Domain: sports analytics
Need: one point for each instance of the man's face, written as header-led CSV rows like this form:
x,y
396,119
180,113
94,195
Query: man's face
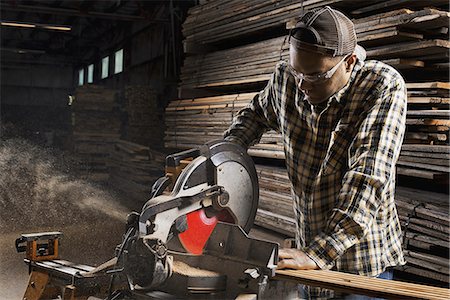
x,y
312,63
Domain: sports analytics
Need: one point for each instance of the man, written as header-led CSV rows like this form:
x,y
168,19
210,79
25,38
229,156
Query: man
x,y
342,121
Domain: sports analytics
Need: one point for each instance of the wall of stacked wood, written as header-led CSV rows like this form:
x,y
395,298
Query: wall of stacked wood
x,y
144,115
117,144
231,48
95,128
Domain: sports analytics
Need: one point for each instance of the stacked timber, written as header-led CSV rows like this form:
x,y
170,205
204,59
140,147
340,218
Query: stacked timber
x,y
144,115
193,122
424,218
425,152
95,128
275,209
408,40
218,21
241,65
134,169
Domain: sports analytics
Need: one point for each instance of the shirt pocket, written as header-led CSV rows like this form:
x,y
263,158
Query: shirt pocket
x,y
336,159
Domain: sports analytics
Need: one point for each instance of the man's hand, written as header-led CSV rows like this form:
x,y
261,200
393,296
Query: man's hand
x,y
295,259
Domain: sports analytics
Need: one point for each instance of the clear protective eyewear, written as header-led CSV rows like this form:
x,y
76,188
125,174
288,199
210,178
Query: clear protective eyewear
x,y
316,78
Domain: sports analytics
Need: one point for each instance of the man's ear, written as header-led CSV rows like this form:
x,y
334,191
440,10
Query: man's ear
x,y
350,62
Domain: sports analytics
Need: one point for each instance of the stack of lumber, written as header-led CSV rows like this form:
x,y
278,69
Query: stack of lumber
x,y
408,40
424,218
144,115
134,169
275,209
192,122
425,152
95,128
241,65
218,21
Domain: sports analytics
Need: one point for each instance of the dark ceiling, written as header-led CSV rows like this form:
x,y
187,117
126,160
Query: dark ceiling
x,y
92,23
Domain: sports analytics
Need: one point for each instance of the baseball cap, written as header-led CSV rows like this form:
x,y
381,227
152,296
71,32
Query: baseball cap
x,y
324,30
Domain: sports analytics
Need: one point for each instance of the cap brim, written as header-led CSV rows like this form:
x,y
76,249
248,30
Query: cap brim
x,y
299,45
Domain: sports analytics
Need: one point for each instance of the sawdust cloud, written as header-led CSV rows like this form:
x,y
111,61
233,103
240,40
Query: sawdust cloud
x,y
38,188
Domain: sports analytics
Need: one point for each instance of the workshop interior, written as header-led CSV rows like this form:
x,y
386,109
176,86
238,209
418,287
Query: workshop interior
x,y
116,181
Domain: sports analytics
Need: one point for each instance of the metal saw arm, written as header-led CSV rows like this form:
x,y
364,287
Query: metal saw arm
x,y
222,178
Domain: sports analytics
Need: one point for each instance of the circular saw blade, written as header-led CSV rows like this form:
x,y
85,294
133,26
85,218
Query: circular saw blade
x,y
199,228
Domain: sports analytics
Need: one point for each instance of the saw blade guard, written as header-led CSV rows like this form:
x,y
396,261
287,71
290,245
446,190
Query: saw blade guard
x,y
236,173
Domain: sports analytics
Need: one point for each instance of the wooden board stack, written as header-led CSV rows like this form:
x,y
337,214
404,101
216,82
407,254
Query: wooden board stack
x,y
241,65
228,62
145,116
134,169
275,210
424,218
192,122
216,21
95,128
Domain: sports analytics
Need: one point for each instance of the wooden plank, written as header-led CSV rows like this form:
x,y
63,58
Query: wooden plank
x,y
401,63
428,100
427,148
423,160
275,222
424,273
431,113
390,4
428,85
420,50
390,35
363,285
425,174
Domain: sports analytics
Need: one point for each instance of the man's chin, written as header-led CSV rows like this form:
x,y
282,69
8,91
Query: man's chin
x,y
314,100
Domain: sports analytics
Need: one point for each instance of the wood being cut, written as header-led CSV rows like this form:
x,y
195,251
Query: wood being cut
x,y
357,284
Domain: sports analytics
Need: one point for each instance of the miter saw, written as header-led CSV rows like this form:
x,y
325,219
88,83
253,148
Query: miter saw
x,y
191,237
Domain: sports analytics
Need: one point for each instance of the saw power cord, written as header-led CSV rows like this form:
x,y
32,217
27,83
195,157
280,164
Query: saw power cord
x,y
111,296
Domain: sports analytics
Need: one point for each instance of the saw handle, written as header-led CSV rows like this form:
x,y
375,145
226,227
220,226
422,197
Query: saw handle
x,y
175,164
174,160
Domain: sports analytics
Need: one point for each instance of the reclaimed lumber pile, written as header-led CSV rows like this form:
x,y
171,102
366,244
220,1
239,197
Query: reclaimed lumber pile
x,y
193,122
408,40
95,128
241,65
144,116
426,151
425,223
134,168
216,21
275,209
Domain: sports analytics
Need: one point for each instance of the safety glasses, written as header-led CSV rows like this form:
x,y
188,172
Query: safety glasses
x,y
318,77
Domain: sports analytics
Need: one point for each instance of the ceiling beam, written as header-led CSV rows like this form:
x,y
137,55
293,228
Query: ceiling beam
x,y
69,12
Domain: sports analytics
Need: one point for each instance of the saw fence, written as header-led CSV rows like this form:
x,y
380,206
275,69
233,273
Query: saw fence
x,y
231,49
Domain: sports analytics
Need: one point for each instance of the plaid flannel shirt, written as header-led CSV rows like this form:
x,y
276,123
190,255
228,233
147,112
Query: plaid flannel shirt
x,y
341,163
